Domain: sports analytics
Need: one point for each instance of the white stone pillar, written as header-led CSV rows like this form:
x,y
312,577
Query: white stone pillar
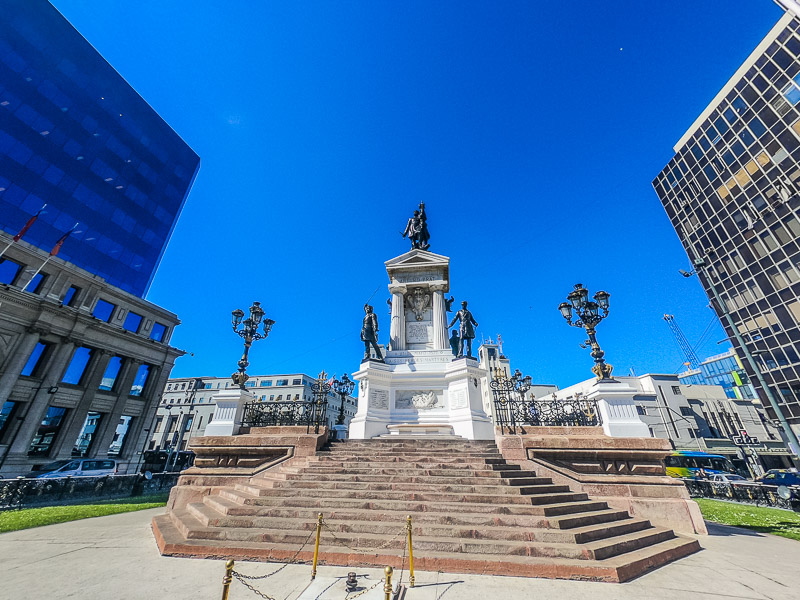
x,y
229,411
397,332
440,340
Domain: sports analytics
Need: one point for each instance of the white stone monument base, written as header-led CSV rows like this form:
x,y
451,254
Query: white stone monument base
x,y
228,411
423,388
617,409
417,429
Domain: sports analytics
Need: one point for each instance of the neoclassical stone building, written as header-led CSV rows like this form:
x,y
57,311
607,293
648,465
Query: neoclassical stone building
x,y
82,363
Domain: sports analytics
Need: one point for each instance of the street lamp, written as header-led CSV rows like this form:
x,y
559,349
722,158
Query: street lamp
x,y
521,384
344,387
589,314
249,332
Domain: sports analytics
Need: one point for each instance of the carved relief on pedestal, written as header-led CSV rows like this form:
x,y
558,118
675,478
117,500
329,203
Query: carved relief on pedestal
x,y
417,333
418,399
418,301
379,399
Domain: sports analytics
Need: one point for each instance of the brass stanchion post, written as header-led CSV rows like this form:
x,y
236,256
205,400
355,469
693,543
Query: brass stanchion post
x,y
387,587
226,581
410,553
316,546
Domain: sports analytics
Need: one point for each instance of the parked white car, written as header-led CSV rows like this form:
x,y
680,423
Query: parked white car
x,y
79,467
727,478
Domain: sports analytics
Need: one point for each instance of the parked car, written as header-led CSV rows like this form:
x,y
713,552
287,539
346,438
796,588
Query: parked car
x,y
727,478
79,467
155,461
780,477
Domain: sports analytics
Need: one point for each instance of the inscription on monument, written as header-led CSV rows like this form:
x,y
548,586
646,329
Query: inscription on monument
x,y
458,399
379,399
418,276
417,333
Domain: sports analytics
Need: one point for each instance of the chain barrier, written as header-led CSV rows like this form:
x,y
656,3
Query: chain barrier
x,y
231,574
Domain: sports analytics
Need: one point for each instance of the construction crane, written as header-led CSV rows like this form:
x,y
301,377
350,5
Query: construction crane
x,y
688,352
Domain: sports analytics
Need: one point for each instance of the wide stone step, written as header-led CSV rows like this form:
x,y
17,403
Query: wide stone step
x,y
483,464
535,494
411,470
514,543
471,488
416,506
393,456
464,517
210,517
620,568
292,478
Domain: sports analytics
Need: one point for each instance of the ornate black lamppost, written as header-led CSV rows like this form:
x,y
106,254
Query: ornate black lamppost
x,y
344,387
589,315
521,384
249,332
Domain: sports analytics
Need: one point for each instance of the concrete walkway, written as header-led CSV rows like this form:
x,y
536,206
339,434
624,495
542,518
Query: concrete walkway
x,y
115,557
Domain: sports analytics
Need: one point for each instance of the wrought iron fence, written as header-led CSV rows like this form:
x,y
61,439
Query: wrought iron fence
x,y
749,493
298,413
513,410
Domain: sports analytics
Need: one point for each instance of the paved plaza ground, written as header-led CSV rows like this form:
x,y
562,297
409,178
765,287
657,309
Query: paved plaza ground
x,y
115,557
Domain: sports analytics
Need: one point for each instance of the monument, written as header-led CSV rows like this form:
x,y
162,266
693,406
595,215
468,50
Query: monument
x,y
420,388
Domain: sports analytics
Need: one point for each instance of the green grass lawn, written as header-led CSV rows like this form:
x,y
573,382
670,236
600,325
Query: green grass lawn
x,y
765,520
13,520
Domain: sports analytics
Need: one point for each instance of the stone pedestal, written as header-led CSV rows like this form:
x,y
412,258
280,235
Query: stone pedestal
x,y
420,389
617,409
228,411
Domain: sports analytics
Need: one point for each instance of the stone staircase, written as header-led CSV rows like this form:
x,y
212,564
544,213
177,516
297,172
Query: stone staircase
x,y
472,513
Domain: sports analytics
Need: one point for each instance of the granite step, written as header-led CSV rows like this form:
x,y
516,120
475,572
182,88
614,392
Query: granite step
x,y
546,494
210,517
464,517
468,488
467,479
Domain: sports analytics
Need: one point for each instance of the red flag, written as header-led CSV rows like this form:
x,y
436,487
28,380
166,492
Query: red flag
x,y
27,226
60,241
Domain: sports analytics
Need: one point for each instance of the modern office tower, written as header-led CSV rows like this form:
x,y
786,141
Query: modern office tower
x,y
83,357
725,370
75,136
732,193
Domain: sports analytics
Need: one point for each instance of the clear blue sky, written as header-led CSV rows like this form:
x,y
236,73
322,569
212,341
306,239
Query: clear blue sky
x,y
531,130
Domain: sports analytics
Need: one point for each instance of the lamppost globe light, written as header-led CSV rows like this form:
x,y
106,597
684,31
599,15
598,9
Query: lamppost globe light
x,y
236,317
268,323
249,333
591,309
601,298
575,298
566,310
256,313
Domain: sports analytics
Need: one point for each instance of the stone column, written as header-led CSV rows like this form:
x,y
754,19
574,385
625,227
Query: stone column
x,y
440,340
142,427
54,370
17,357
397,332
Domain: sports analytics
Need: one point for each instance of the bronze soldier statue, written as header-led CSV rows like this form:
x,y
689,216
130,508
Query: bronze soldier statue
x,y
369,333
417,229
466,332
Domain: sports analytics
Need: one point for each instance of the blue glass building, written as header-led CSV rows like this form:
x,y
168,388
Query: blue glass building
x,y
76,136
725,370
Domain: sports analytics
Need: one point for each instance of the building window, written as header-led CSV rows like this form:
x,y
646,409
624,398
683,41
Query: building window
x,y
297,382
35,284
70,296
84,442
280,382
5,415
77,366
266,383
692,434
47,432
110,376
272,396
158,332
159,424
115,449
641,410
9,271
676,389
35,362
687,411
140,380
103,310
250,384
132,322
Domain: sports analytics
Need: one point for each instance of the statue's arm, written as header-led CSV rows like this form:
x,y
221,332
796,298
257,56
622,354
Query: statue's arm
x,y
453,321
